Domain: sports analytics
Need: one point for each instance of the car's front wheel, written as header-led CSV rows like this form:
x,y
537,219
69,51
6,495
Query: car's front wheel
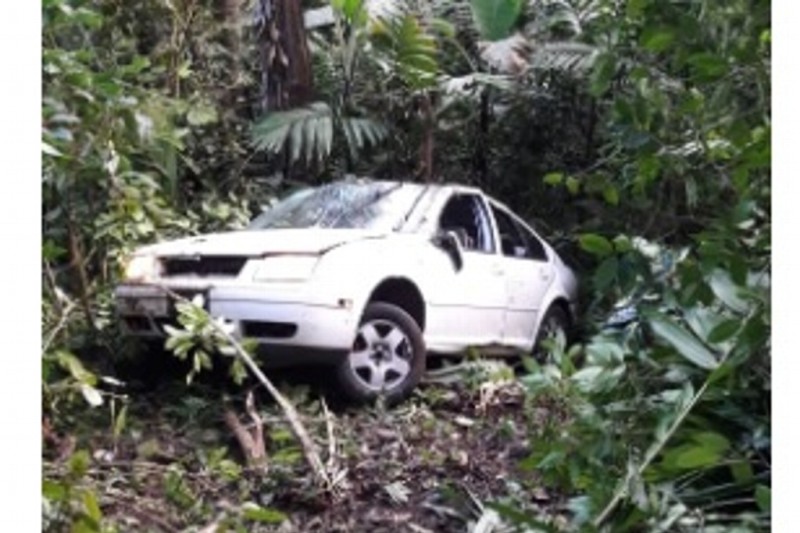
x,y
387,358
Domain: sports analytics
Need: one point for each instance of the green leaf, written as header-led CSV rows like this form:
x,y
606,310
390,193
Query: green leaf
x,y
53,490
573,185
495,19
684,342
622,244
764,498
724,331
696,457
657,39
726,290
554,178
604,69
611,194
91,506
595,244
707,66
712,440
606,273
79,463
742,471
252,511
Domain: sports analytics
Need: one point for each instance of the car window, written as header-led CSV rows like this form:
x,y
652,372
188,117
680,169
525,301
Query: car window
x,y
515,239
467,217
535,248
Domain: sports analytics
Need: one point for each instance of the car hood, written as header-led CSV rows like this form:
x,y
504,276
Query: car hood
x,y
255,243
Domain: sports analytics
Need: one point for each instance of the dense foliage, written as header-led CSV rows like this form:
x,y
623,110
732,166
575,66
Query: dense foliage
x,y
635,134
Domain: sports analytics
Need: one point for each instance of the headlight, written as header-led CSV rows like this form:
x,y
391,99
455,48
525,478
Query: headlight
x,y
142,268
286,268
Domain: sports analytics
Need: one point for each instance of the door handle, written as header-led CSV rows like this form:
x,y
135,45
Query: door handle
x,y
497,270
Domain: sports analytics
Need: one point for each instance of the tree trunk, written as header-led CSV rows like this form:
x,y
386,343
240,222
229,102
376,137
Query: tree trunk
x,y
285,60
426,147
230,10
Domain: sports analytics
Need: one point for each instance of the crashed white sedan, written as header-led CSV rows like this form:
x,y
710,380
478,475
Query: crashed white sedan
x,y
369,276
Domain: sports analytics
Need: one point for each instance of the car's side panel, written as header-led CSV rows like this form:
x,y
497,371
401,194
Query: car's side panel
x,y
463,307
527,283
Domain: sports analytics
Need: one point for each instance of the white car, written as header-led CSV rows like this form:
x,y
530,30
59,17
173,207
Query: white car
x,y
370,276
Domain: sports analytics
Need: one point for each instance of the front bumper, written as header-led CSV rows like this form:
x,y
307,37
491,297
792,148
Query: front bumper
x,y
272,316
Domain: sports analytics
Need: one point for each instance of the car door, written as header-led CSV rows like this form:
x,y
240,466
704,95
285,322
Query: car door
x,y
528,273
467,305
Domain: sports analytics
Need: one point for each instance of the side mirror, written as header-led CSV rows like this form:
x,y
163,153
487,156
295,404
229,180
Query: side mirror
x,y
448,241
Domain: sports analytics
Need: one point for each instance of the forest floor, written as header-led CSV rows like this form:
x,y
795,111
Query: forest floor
x,y
443,461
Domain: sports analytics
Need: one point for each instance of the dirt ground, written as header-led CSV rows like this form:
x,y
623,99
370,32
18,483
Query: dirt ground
x,y
438,462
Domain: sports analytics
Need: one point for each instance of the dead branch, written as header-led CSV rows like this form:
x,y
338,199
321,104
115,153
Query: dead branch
x,y
251,440
310,450
309,447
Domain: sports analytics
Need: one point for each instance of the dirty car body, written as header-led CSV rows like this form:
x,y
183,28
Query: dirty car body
x,y
370,276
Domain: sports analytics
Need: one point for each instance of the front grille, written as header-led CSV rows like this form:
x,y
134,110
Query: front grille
x,y
218,265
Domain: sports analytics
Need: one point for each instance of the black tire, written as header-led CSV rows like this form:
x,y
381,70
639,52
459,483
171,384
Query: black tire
x,y
555,319
353,379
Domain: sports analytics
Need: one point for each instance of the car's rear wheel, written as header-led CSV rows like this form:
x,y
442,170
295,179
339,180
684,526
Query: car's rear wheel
x,y
555,322
387,358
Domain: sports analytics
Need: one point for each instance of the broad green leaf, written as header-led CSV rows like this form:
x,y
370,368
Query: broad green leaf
x,y
603,72
727,291
657,39
622,244
554,178
702,320
53,490
606,273
707,66
711,440
573,185
742,471
91,506
764,498
495,19
724,331
595,244
611,194
695,457
684,342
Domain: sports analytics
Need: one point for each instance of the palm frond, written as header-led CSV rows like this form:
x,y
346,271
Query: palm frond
x,y
306,131
574,58
408,47
361,133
